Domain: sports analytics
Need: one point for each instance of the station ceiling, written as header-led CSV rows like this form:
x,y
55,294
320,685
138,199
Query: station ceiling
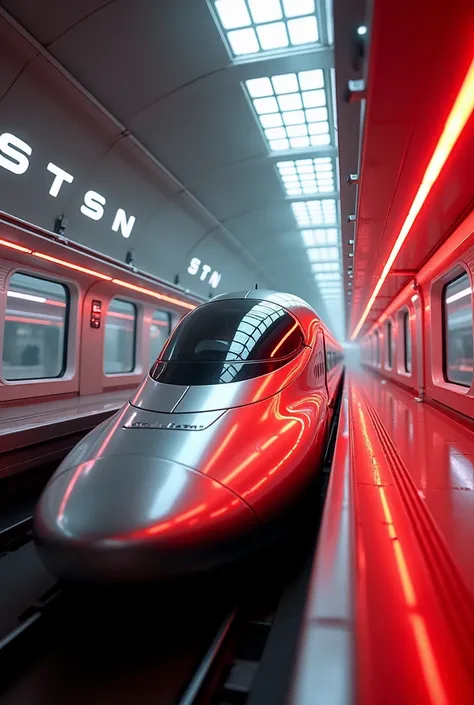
x,y
237,98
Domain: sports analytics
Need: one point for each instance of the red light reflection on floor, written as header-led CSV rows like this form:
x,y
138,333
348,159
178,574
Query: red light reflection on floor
x,y
421,637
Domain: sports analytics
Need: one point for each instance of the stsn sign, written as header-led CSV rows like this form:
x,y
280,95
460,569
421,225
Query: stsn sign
x,y
195,266
14,155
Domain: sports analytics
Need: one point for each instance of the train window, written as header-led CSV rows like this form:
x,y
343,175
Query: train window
x,y
160,328
120,335
406,340
458,349
377,347
34,341
388,329
229,341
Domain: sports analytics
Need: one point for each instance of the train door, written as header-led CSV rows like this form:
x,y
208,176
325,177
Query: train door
x,y
418,343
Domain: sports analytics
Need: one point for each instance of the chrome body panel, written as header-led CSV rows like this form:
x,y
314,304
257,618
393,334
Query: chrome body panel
x,y
139,419
134,517
154,396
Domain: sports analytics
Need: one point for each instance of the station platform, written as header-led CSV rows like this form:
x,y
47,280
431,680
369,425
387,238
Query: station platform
x,y
390,613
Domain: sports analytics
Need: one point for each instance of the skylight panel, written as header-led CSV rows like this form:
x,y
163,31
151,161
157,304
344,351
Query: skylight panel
x,y
308,213
233,13
295,101
323,254
295,8
314,238
265,11
327,277
325,267
306,176
329,287
260,26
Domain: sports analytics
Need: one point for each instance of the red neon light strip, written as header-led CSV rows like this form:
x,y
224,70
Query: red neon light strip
x,y
13,246
105,277
285,337
70,265
149,292
458,117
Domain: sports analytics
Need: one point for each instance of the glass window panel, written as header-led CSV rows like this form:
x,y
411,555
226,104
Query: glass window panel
x,y
303,30
272,36
160,328
120,337
271,120
243,41
290,101
407,340
233,13
259,87
285,83
265,10
294,8
265,105
458,331
35,337
229,341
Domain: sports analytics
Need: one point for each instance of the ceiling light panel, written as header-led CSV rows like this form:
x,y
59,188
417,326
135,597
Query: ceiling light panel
x,y
325,267
326,276
292,111
322,236
303,177
323,254
260,26
308,213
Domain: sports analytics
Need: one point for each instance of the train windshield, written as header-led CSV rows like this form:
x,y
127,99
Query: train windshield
x,y
229,341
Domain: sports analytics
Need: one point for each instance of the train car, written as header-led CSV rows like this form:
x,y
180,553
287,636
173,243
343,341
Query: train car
x,y
221,438
423,340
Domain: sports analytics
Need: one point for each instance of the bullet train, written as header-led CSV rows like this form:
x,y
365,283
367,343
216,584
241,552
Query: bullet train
x,y
219,441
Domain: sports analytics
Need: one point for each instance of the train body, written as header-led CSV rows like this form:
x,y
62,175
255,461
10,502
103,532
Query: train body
x,y
220,439
424,338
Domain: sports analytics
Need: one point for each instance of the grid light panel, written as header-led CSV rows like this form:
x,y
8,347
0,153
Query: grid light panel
x,y
314,238
310,213
307,176
291,109
259,26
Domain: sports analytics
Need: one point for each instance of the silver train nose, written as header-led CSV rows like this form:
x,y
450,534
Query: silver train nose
x,y
134,518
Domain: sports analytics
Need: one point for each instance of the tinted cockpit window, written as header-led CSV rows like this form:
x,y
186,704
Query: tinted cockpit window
x,y
229,341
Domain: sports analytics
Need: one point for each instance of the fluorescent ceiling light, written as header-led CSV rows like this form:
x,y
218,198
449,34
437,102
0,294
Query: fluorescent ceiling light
x,y
314,238
325,267
233,13
259,26
292,111
306,176
26,297
455,297
323,254
325,276
309,213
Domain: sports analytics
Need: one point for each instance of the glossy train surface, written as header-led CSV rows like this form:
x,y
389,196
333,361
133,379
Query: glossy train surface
x,y
221,437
